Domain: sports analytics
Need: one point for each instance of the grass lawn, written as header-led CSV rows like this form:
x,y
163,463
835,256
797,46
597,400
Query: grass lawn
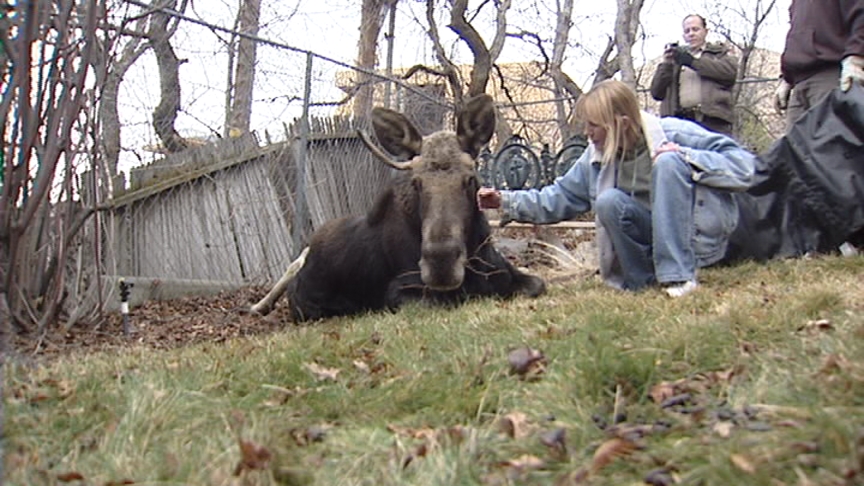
x,y
757,378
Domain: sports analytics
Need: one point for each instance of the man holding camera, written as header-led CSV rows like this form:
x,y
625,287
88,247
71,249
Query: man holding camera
x,y
695,81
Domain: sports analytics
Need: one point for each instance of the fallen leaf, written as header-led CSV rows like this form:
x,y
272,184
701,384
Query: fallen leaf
x,y
742,463
723,429
526,362
361,366
611,450
815,326
321,372
676,400
526,461
305,436
252,456
663,391
456,434
68,477
514,425
724,376
747,347
660,477
420,451
556,440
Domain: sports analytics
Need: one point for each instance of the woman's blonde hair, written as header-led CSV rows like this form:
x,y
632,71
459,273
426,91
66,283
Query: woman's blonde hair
x,y
612,105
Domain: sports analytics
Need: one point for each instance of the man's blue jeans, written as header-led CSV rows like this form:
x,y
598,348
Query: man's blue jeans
x,y
653,245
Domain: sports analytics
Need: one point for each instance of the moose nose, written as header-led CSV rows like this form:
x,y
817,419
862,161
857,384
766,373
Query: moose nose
x,y
442,265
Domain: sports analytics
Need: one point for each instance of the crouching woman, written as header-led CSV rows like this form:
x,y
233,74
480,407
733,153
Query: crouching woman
x,y
661,191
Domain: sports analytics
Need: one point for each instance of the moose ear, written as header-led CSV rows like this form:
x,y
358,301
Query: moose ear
x,y
396,134
476,123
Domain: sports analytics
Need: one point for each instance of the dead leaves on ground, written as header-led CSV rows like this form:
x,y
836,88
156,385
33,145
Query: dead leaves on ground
x,y
611,450
74,476
253,456
322,373
699,383
527,363
421,441
41,390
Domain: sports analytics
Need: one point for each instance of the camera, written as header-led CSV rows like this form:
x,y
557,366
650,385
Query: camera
x,y
671,45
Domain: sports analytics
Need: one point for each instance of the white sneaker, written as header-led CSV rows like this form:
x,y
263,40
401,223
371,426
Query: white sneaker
x,y
848,249
681,289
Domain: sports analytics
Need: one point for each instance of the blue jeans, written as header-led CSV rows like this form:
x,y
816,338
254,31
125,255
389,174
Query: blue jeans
x,y
653,245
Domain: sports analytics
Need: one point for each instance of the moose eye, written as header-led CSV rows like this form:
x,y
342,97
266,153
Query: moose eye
x,y
417,184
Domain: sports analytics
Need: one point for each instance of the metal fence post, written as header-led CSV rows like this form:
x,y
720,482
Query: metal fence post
x,y
301,151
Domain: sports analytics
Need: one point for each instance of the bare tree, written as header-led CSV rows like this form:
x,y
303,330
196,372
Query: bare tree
x,y
626,29
563,83
242,69
755,121
483,55
165,113
372,18
626,26
120,47
47,127
726,22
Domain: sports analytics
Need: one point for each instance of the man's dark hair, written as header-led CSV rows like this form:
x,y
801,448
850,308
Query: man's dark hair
x,y
701,19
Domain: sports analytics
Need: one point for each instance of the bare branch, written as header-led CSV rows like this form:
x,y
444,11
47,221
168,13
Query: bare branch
x,y
449,67
536,41
500,30
606,67
482,58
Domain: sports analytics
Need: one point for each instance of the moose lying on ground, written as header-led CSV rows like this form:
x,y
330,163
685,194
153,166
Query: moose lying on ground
x,y
424,238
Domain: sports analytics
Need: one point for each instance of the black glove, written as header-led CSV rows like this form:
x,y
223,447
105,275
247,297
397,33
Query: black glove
x,y
683,57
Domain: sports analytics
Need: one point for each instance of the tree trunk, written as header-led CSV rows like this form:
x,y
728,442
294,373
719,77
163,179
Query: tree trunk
x,y
165,113
244,78
482,58
562,83
626,26
109,74
449,70
372,18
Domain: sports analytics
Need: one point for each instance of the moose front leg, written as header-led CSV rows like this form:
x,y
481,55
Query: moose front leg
x,y
409,287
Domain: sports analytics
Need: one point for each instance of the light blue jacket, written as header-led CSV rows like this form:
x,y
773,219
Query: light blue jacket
x,y
719,165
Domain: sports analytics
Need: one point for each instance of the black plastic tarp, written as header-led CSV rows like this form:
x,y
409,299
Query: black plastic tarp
x,y
808,194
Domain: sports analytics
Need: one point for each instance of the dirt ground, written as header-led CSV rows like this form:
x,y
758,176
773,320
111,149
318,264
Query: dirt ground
x,y
191,320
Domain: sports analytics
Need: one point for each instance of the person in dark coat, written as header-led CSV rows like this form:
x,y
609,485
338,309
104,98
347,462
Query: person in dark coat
x,y
824,50
695,81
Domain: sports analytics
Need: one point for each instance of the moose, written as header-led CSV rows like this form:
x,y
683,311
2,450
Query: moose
x,y
424,237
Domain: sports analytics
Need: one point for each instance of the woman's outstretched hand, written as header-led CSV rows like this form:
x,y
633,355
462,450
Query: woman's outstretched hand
x,y
488,198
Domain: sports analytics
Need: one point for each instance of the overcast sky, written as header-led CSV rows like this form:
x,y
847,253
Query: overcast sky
x,y
330,28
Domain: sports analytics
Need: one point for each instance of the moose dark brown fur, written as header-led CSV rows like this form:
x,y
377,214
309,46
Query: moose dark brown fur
x,y
424,236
